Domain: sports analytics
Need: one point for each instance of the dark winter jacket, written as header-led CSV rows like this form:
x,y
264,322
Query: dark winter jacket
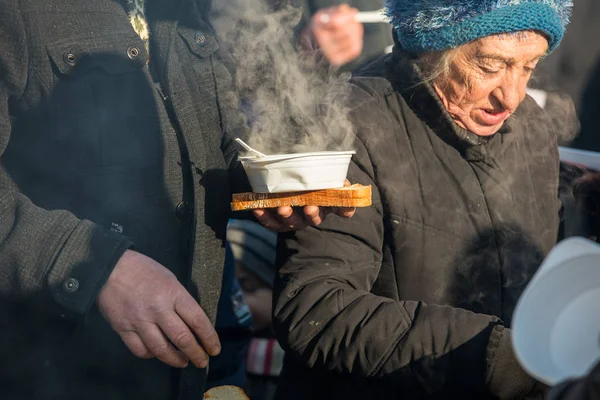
x,y
586,388
407,299
104,148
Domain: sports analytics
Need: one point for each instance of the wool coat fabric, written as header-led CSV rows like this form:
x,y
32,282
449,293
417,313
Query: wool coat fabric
x,y
411,298
104,147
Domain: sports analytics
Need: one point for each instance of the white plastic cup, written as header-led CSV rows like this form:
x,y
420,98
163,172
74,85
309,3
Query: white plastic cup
x,y
556,324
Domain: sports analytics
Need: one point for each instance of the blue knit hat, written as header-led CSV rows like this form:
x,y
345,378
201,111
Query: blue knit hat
x,y
428,25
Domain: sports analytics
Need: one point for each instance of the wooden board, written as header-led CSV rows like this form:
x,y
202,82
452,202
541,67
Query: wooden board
x,y
349,196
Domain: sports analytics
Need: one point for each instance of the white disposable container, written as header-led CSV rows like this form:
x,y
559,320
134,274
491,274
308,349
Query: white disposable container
x,y
589,159
297,172
556,324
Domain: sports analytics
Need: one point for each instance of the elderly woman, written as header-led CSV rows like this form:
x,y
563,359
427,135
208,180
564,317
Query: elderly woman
x,y
412,297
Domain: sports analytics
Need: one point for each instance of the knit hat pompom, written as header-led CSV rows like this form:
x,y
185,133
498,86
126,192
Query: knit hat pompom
x,y
254,246
428,25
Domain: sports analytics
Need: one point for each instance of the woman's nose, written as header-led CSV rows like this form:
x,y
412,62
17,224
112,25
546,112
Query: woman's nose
x,y
512,91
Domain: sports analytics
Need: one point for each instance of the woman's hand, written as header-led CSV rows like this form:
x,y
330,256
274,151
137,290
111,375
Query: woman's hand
x,y
284,219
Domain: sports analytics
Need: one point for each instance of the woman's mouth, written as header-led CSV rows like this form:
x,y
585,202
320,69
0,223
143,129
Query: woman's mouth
x,y
492,117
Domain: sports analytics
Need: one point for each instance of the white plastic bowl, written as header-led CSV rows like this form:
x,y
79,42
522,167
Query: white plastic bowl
x,y
556,324
297,172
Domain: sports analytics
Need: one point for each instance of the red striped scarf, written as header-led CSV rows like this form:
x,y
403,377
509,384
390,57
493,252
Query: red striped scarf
x,y
265,357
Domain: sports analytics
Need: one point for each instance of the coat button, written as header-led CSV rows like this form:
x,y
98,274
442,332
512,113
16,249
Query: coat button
x,y
200,39
71,285
181,210
70,59
133,53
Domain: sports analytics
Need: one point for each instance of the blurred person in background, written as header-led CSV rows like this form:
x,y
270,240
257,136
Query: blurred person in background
x,y
253,248
574,69
330,27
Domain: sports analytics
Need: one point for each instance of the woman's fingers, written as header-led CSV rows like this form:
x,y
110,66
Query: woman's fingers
x,y
290,218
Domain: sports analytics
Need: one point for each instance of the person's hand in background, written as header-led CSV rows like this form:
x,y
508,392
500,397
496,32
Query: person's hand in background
x,y
337,34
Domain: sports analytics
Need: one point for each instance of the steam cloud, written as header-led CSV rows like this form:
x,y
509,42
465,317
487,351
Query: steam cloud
x,y
293,105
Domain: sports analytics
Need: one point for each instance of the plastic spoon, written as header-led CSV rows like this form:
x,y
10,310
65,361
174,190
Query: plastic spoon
x,y
364,17
367,17
250,149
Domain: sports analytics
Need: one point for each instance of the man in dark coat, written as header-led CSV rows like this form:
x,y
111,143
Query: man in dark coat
x,y
116,119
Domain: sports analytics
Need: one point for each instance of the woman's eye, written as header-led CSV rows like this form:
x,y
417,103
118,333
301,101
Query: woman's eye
x,y
488,70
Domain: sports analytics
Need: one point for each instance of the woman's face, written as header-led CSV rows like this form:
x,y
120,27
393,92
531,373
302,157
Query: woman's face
x,y
487,79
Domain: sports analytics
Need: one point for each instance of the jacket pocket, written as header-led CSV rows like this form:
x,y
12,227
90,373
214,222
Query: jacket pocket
x,y
102,110
201,41
196,33
115,52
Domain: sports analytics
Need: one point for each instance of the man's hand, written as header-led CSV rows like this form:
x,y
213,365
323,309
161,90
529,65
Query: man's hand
x,y
285,219
154,314
337,34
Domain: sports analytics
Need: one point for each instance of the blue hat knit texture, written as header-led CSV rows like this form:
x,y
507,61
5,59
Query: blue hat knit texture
x,y
430,25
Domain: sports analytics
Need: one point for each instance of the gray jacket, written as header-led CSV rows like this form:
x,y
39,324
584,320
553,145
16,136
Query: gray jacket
x,y
104,148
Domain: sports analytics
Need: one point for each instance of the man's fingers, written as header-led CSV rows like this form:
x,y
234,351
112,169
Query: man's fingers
x,y
158,345
180,335
192,314
134,343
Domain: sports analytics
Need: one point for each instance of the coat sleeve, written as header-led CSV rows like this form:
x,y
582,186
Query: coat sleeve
x,y
327,318
47,255
586,388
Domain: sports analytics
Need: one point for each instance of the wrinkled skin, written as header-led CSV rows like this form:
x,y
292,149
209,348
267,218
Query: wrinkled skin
x,y
488,78
146,305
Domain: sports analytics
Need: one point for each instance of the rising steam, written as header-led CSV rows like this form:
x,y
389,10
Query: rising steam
x,y
293,105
